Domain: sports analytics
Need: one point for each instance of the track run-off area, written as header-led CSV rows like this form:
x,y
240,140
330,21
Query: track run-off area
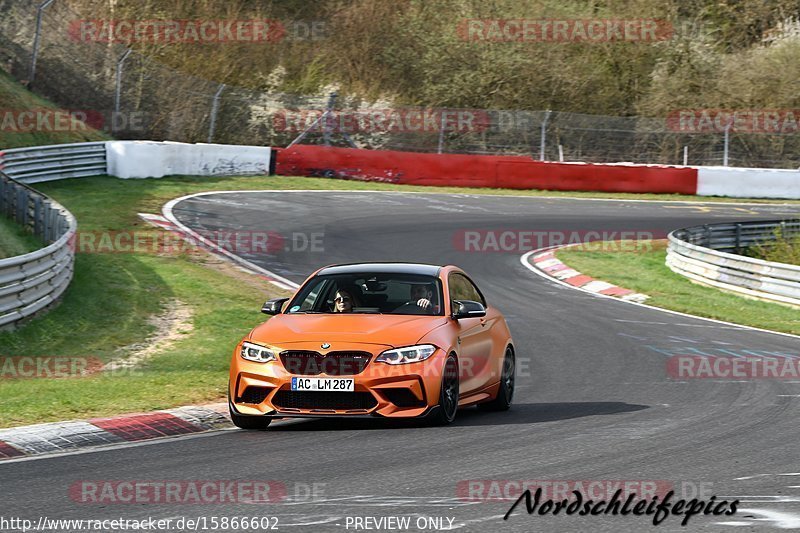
x,y
593,404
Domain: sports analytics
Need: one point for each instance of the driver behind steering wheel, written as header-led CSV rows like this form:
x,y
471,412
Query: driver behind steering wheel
x,y
421,300
421,295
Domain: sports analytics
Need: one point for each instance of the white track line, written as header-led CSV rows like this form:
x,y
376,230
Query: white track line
x,y
368,191
117,446
275,279
169,206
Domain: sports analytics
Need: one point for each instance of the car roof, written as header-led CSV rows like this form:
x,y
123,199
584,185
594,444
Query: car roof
x,y
382,268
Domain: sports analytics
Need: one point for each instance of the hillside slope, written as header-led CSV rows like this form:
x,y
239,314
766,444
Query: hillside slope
x,y
29,120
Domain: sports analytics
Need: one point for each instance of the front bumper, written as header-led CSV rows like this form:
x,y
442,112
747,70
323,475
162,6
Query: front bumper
x,y
395,391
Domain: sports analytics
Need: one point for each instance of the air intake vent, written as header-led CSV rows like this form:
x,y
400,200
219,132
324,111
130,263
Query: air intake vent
x,y
307,363
254,395
340,401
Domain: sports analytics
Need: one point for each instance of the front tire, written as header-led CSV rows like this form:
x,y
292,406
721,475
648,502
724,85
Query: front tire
x,y
505,393
445,412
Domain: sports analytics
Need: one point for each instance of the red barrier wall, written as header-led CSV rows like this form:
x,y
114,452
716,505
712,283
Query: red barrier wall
x,y
512,172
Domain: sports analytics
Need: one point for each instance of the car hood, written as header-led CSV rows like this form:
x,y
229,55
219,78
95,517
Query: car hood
x,y
385,330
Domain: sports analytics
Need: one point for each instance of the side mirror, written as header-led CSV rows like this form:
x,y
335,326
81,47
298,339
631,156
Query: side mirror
x,y
274,306
468,309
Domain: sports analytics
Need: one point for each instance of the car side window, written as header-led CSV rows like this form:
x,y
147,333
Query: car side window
x,y
312,299
461,288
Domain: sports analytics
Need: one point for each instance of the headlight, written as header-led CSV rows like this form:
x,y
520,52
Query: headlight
x,y
259,354
410,354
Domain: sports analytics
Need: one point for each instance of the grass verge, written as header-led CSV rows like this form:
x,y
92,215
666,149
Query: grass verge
x,y
107,308
107,313
640,267
14,240
15,99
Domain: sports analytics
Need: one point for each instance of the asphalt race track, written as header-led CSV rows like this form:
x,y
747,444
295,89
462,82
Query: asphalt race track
x,y
593,401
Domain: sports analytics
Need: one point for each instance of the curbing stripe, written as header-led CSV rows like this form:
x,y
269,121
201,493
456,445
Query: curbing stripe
x,y
598,286
580,280
564,274
552,267
545,261
7,450
146,426
548,262
635,297
56,437
616,291
60,437
202,417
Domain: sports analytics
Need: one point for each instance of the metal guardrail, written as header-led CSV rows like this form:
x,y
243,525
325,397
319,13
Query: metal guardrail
x,y
709,254
32,282
60,161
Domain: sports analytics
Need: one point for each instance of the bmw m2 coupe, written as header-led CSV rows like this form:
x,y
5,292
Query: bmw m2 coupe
x,y
374,339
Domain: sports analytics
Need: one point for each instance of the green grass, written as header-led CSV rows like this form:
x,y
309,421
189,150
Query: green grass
x,y
16,98
14,240
642,269
106,307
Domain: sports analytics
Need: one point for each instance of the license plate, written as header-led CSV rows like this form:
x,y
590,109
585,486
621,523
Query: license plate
x,y
323,384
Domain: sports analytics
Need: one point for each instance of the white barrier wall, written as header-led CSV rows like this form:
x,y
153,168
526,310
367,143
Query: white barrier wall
x,y
151,159
748,182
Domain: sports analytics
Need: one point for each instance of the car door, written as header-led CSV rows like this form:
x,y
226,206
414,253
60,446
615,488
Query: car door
x,y
475,346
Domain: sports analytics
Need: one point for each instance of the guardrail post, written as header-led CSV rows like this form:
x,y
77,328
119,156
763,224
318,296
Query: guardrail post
x,y
3,202
543,134
19,208
726,144
46,226
326,127
36,39
686,155
55,225
118,87
441,134
38,217
214,110
738,238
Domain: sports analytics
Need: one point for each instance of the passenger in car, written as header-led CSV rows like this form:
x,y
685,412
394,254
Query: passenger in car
x,y
344,301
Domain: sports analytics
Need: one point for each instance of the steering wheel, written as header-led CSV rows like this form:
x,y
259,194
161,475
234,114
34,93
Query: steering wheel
x,y
411,308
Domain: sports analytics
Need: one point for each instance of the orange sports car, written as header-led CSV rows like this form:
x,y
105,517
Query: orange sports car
x,y
374,339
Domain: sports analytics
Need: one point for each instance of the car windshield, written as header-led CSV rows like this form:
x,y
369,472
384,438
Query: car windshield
x,y
371,293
